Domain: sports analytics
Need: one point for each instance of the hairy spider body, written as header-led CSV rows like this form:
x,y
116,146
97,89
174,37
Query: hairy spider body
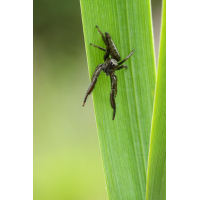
x,y
109,67
112,48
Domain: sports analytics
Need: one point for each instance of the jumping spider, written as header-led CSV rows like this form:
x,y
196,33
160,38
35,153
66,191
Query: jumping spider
x,y
109,67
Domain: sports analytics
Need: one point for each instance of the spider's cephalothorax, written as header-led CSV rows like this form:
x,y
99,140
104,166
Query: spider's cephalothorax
x,y
109,66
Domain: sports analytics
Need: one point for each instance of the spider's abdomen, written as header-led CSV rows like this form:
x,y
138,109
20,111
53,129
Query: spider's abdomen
x,y
112,48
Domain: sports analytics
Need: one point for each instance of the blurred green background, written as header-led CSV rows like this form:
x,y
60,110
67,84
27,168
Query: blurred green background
x,y
66,155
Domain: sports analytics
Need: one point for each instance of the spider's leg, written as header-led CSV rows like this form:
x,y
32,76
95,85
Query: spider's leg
x,y
93,81
126,58
104,39
106,54
121,67
98,47
113,93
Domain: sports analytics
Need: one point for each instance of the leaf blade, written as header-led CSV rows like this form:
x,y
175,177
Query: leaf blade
x,y
124,142
156,178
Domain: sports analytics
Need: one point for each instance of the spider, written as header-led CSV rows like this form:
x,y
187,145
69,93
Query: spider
x,y
109,66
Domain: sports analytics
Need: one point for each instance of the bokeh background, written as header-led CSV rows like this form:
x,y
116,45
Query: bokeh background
x,y
66,155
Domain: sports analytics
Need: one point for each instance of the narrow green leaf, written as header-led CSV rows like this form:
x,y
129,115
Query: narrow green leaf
x,y
124,142
156,179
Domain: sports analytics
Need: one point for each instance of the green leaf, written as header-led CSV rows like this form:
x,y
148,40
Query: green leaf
x,y
124,142
156,179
